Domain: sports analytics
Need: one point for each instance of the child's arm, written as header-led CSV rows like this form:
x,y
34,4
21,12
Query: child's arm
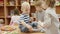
x,y
47,21
27,25
11,21
35,17
23,23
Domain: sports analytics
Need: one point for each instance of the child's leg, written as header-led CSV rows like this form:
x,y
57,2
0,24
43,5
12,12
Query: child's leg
x,y
34,24
25,29
27,25
11,23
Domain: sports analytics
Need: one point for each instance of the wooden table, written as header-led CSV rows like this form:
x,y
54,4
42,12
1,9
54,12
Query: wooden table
x,y
32,33
18,30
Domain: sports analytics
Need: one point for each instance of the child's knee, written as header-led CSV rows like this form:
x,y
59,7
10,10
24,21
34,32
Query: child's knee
x,y
34,24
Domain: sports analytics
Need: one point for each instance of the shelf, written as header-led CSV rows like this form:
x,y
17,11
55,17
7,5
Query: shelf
x,y
58,6
8,20
2,17
10,5
2,11
19,5
58,9
8,17
1,6
1,2
10,9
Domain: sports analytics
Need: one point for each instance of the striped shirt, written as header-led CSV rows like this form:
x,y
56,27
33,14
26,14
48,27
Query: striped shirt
x,y
25,18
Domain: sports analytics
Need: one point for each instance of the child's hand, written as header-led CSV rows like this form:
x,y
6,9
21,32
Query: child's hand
x,y
40,23
23,23
15,24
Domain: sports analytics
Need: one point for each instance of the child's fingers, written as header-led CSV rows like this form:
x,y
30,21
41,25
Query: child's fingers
x,y
29,27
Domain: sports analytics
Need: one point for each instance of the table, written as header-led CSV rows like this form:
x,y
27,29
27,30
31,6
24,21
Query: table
x,y
19,32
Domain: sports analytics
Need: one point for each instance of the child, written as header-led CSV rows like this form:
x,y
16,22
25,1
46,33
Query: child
x,y
15,18
39,14
50,18
25,18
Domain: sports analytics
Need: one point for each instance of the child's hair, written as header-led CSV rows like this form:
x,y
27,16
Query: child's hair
x,y
38,3
26,4
16,12
50,3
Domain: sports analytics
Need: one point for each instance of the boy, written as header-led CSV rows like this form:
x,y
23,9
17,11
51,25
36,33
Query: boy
x,y
25,24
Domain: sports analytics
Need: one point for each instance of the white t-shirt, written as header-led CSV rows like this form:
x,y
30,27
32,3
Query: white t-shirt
x,y
40,15
15,19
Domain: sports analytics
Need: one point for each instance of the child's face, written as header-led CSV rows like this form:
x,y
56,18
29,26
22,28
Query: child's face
x,y
44,5
26,9
38,8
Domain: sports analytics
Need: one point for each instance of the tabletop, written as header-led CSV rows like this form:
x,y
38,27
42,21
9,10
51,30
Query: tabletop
x,y
17,31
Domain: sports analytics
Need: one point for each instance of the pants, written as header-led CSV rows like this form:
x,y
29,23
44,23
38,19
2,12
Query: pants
x,y
25,29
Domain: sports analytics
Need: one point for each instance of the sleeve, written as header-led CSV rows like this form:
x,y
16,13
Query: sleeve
x,y
11,20
55,17
21,19
47,20
35,16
